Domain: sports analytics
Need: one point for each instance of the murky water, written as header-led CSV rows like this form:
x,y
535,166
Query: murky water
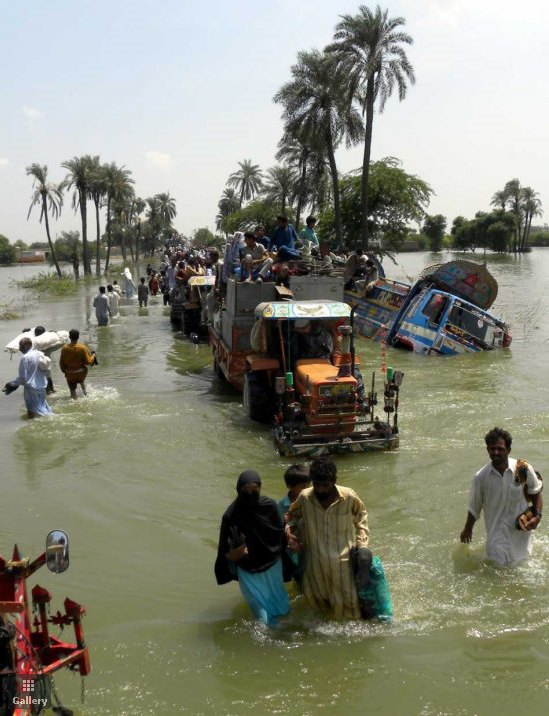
x,y
140,472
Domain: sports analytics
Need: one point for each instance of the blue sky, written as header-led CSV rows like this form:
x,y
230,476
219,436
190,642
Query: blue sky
x,y
180,91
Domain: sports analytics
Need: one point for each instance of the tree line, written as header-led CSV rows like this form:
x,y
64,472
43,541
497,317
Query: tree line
x,y
104,186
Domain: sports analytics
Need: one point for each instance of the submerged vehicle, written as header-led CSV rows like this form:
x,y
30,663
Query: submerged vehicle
x,y
294,361
29,653
445,311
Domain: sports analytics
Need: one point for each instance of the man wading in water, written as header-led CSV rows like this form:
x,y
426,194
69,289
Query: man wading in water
x,y
498,490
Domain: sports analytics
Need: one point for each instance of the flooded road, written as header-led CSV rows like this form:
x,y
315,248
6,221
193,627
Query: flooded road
x,y
140,472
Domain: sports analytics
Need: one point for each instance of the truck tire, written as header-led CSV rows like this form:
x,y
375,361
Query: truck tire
x,y
257,397
217,370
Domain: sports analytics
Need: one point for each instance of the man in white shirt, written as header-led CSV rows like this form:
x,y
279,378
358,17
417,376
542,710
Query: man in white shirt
x,y
497,489
34,378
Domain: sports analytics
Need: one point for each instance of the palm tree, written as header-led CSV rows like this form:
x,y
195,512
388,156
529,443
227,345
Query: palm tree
x,y
166,209
280,185
316,104
369,47
98,189
531,206
118,190
137,207
79,178
49,197
499,200
513,192
247,180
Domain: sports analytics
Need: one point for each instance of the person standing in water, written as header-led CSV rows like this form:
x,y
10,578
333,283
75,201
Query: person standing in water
x,y
251,549
102,308
74,362
34,379
503,493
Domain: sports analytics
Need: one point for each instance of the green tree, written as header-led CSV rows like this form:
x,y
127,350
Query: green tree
x,y
227,205
260,211
98,191
396,199
279,186
317,106
203,237
434,227
246,180
369,46
8,253
69,248
79,179
48,196
531,206
119,191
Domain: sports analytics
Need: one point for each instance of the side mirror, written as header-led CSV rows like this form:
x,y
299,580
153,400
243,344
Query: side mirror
x,y
57,551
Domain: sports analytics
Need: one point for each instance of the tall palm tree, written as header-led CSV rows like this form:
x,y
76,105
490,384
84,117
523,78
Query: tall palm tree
x,y
137,207
79,179
499,200
316,103
369,46
49,197
166,209
229,202
513,191
531,206
246,180
119,189
98,190
280,185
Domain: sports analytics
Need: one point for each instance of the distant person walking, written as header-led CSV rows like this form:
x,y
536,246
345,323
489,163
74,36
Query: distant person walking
x,y
143,293
114,301
32,375
74,362
102,307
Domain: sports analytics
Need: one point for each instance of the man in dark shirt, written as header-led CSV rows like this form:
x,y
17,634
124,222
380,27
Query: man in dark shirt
x,y
284,235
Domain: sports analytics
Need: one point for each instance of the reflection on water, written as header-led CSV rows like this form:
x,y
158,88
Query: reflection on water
x,y
140,471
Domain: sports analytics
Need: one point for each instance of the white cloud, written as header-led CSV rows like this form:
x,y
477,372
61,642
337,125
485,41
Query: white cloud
x,y
159,160
32,113
4,162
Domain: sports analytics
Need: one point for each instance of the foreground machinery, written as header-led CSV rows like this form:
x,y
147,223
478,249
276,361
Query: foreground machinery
x,y
29,652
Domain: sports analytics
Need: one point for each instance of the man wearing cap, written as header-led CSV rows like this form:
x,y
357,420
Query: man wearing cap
x,y
251,548
326,522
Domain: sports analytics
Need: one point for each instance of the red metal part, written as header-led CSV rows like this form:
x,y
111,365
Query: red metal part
x,y
35,650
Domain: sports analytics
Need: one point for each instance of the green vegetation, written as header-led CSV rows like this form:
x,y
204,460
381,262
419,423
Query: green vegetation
x,y
50,285
396,199
434,228
7,251
49,198
523,204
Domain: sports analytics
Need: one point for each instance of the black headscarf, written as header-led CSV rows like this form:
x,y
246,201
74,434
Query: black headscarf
x,y
259,524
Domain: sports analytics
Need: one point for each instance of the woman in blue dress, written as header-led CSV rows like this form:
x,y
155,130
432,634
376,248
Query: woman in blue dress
x,y
252,547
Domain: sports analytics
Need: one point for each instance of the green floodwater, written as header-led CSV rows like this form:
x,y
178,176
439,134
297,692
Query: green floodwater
x,y
140,472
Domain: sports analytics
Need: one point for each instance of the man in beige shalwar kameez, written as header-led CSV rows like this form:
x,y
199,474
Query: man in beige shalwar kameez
x,y
326,521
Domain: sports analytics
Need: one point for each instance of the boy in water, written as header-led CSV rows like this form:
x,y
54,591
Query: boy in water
x,y
297,478
142,293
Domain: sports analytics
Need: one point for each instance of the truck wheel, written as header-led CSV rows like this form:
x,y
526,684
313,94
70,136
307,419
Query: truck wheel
x,y
257,397
217,370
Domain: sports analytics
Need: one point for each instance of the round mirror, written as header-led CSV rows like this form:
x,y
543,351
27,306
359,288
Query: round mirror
x,y
57,551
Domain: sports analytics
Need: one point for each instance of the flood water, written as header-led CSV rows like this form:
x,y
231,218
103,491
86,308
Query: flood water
x,y
140,472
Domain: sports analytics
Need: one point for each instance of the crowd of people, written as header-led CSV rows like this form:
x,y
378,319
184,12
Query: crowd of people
x,y
318,537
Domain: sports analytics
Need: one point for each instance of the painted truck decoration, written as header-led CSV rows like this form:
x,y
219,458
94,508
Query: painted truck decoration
x,y
444,312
